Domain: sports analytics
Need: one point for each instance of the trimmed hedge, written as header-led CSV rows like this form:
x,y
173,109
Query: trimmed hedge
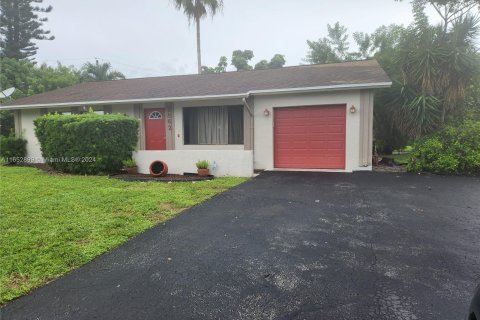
x,y
454,150
12,149
87,143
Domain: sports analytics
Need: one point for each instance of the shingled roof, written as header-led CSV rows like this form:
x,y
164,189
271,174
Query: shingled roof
x,y
347,75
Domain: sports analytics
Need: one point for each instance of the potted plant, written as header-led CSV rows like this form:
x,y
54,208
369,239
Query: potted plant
x,y
130,165
202,168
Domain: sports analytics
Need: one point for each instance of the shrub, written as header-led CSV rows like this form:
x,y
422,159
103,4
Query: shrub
x,y
12,148
454,150
86,143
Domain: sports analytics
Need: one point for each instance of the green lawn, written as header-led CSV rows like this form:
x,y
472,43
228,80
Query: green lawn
x,y
51,224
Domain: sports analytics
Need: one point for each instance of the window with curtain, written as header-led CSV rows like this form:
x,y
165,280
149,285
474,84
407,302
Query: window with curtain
x,y
213,125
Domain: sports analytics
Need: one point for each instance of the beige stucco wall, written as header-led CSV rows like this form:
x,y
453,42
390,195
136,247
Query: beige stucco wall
x,y
366,128
28,132
234,159
263,125
229,160
237,163
123,109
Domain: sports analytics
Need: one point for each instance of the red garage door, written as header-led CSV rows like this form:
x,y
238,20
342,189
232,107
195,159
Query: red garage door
x,y
310,137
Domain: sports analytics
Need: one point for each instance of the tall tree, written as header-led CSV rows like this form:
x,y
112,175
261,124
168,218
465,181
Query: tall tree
x,y
471,108
241,58
18,74
47,78
449,10
278,61
262,65
365,45
335,47
28,79
330,49
221,66
100,72
196,10
436,68
20,26
385,42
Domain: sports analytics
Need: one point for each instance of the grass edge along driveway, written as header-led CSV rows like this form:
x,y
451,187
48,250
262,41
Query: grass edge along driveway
x,y
52,224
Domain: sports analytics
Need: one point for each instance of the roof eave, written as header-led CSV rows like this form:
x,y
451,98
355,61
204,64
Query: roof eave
x,y
123,101
343,87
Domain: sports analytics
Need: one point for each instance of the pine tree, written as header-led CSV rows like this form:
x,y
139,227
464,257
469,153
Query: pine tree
x,y
20,25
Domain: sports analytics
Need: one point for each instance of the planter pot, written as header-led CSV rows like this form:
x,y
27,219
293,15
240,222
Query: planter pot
x,y
158,168
202,172
132,170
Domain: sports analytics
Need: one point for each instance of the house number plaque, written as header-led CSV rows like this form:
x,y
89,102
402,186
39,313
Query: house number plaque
x,y
169,120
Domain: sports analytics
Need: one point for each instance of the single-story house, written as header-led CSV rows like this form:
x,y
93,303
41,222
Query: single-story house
x,y
311,117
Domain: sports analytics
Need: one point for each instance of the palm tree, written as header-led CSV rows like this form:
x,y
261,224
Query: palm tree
x,y
436,69
196,10
100,72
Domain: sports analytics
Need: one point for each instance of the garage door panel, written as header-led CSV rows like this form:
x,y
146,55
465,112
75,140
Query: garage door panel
x,y
339,137
325,145
303,123
336,129
310,137
294,130
334,147
334,111
298,147
320,129
318,145
291,140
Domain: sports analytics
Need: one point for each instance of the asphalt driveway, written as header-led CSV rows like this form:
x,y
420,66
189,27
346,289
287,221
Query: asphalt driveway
x,y
290,246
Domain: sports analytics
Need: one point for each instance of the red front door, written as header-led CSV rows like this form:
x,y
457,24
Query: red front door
x,y
155,138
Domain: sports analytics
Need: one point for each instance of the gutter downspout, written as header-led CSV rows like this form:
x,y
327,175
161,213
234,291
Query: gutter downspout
x,y
249,109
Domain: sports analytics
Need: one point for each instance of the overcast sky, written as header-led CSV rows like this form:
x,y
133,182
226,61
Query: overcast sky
x,y
151,38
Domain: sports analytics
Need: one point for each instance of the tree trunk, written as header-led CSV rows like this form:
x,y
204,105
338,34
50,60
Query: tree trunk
x,y
14,44
199,53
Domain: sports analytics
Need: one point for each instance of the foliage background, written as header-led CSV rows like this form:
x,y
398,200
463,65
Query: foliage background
x,y
453,150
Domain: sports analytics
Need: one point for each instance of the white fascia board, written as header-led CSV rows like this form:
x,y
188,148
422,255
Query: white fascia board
x,y
359,86
125,101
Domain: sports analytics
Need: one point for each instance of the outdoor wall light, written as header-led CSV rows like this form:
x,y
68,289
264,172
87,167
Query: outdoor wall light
x,y
266,112
353,109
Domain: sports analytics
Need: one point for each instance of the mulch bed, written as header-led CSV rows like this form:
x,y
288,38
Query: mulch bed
x,y
388,165
167,178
